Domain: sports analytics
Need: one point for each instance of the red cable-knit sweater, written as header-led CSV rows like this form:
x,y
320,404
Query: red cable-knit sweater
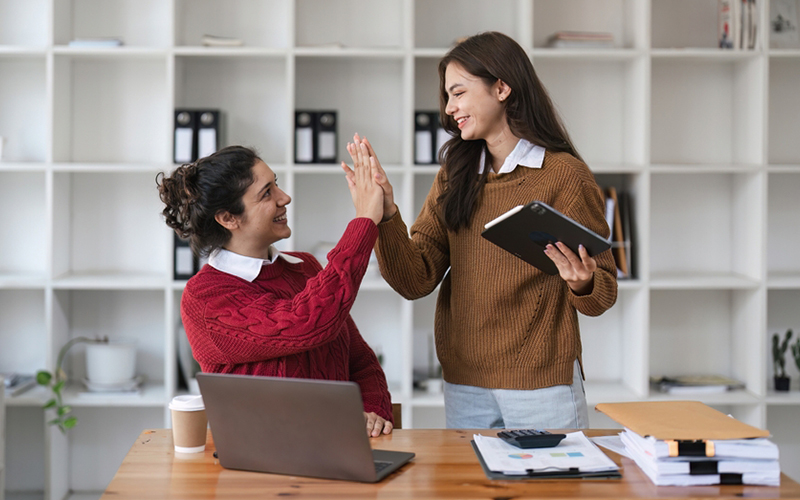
x,y
293,320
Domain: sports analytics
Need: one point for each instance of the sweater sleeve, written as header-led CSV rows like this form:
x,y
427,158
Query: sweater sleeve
x,y
247,325
588,209
366,371
414,266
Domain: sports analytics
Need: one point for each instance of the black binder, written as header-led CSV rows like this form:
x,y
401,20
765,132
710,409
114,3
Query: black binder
x,y
526,230
185,263
304,122
425,125
185,137
325,137
208,131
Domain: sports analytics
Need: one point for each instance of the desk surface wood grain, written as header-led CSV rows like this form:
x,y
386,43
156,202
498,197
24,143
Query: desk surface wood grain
x,y
445,466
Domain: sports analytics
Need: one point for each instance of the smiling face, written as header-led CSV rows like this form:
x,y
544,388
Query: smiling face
x,y
476,107
264,219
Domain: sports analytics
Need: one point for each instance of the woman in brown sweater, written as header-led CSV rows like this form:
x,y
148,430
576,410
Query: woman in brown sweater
x,y
506,333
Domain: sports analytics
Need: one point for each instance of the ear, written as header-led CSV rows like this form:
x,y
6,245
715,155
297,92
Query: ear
x,y
502,90
227,220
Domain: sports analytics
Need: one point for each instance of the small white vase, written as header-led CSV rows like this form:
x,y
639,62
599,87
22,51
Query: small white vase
x,y
111,363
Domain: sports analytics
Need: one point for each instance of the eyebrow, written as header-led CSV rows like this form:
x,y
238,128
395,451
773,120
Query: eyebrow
x,y
453,86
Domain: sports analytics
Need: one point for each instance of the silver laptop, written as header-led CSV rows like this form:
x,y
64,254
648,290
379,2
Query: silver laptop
x,y
291,426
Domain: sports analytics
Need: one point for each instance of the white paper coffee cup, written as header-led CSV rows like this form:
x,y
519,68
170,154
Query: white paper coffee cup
x,y
189,423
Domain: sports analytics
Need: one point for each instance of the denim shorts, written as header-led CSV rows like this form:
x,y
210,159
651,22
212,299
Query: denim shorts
x,y
557,407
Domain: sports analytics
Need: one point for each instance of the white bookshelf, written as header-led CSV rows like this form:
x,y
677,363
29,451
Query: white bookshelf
x,y
705,142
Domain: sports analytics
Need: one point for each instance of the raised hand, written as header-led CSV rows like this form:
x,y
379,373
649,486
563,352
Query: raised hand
x,y
365,191
576,270
356,153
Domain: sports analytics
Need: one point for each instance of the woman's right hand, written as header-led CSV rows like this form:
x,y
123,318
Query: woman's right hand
x,y
364,189
389,207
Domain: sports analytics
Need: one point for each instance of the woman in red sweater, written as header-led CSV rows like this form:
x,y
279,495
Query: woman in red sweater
x,y
254,310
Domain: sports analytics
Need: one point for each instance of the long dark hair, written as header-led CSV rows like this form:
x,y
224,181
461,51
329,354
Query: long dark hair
x,y
196,192
493,56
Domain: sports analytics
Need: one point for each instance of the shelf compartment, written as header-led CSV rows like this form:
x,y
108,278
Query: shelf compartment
x,y
137,22
782,235
25,452
707,111
108,224
22,331
23,237
631,188
684,24
118,315
23,120
259,23
614,352
782,425
702,225
24,23
431,32
784,111
697,332
621,18
383,331
328,84
377,24
255,112
111,432
111,109
613,98
783,314
152,395
424,361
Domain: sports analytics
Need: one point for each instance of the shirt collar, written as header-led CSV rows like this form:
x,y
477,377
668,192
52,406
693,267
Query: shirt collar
x,y
242,266
524,153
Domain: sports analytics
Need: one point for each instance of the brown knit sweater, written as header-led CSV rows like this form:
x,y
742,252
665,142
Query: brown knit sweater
x,y
500,322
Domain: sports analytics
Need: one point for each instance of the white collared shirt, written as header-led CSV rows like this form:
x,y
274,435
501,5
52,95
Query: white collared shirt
x,y
243,266
524,153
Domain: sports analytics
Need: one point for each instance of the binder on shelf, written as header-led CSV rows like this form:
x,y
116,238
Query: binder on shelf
x,y
617,236
185,263
326,137
424,137
304,136
185,144
208,131
442,136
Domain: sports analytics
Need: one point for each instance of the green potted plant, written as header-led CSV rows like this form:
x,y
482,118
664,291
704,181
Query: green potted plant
x,y
796,353
779,360
56,381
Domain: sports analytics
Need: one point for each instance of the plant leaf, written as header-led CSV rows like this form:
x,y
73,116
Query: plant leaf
x,y
59,385
70,422
43,377
64,410
49,404
54,421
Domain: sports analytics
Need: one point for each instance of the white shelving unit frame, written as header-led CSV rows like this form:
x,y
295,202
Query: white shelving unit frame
x,y
703,140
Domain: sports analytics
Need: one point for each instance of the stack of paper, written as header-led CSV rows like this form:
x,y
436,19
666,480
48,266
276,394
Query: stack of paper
x,y
683,443
739,461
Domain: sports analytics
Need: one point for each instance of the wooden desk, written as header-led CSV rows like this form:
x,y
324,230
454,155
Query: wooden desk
x,y
445,467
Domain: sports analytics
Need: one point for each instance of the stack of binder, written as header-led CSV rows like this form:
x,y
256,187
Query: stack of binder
x,y
686,443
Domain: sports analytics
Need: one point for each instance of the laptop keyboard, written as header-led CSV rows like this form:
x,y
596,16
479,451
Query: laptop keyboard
x,y
379,465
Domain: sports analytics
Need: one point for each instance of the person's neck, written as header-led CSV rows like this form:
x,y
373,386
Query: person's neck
x,y
249,251
500,146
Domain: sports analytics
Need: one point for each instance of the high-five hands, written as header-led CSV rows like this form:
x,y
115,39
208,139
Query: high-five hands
x,y
363,155
367,195
576,270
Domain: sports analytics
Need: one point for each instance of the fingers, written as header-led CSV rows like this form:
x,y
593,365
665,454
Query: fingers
x,y
376,424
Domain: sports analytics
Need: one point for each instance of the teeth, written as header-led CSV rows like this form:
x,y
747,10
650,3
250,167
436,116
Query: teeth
x,y
461,119
279,219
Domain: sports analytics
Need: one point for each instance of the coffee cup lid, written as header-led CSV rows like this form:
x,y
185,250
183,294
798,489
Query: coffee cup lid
x,y
187,402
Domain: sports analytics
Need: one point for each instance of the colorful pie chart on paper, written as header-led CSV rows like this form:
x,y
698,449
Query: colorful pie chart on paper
x,y
520,455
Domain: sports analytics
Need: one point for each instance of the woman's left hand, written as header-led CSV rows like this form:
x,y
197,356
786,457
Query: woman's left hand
x,y
576,270
377,425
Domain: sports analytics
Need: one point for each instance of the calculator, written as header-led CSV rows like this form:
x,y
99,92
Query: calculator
x,y
531,438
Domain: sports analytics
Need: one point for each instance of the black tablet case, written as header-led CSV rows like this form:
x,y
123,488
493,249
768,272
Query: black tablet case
x,y
527,232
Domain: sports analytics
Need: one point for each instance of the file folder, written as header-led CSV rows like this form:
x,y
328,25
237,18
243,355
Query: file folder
x,y
185,263
304,136
442,136
208,131
424,142
325,132
185,145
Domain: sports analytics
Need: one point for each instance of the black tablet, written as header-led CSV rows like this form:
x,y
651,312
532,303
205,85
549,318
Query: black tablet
x,y
525,230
